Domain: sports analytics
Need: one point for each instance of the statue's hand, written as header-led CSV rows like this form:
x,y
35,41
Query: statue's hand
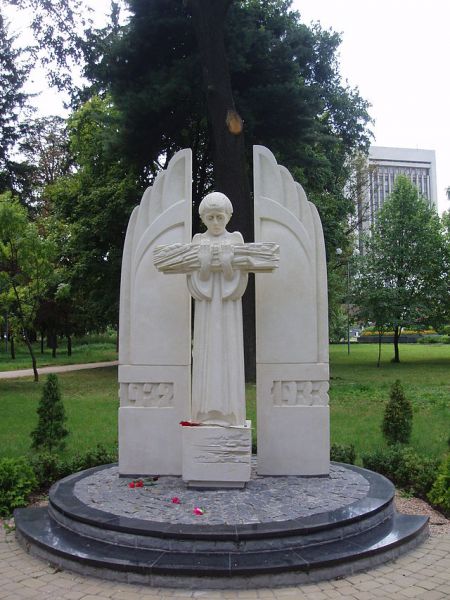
x,y
226,254
204,256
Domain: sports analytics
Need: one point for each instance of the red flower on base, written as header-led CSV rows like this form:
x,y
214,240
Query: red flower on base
x,y
198,511
176,500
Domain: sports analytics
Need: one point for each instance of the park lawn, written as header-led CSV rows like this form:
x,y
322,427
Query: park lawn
x,y
358,393
82,353
90,399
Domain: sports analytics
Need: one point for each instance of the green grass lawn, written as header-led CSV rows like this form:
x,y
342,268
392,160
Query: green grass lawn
x,y
90,400
81,353
358,393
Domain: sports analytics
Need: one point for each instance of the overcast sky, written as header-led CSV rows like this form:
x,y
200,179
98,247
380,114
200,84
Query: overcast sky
x,y
396,52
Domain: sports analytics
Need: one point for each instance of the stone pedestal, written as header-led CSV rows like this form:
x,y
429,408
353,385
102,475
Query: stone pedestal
x,y
216,457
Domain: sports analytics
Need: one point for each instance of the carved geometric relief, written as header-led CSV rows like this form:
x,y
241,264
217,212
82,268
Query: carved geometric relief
x,y
152,395
300,393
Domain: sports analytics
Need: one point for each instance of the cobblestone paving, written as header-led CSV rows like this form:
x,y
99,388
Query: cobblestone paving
x,y
423,574
263,499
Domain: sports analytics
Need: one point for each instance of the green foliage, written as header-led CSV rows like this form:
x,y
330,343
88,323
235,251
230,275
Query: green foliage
x,y
50,431
434,339
404,467
403,274
92,458
49,467
398,416
343,453
439,494
285,84
95,204
17,481
13,99
26,266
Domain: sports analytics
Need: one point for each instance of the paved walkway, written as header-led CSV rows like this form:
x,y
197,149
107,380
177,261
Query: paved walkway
x,y
59,369
423,573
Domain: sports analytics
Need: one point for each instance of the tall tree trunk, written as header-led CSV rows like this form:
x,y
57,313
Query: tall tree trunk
x,y
380,333
228,149
42,342
25,334
33,357
69,345
13,348
397,331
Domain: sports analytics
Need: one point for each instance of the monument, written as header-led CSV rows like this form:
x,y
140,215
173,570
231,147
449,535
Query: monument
x,y
214,446
295,518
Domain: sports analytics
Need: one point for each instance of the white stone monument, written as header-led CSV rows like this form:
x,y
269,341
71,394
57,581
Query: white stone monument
x,y
160,265
291,328
155,329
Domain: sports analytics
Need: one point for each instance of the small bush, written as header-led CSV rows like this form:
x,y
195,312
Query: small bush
x,y
404,467
343,453
48,467
93,458
439,494
17,481
50,431
398,414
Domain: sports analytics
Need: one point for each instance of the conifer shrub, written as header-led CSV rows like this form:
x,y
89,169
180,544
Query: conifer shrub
x,y
50,431
398,415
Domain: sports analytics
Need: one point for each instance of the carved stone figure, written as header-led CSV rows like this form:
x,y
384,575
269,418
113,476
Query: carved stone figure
x,y
218,380
217,265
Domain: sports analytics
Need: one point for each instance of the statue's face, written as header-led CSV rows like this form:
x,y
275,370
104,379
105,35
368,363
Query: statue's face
x,y
215,221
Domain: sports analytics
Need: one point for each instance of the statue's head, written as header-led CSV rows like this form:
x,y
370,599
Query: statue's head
x,y
215,201
215,211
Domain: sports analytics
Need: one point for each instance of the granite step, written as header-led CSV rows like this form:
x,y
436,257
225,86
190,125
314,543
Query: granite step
x,y
42,536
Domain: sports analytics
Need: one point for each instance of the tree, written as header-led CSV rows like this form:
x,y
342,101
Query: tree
x,y
25,266
398,416
92,206
13,74
179,74
191,73
45,146
50,430
404,275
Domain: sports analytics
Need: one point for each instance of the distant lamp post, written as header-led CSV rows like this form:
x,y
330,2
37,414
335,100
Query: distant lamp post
x,y
448,192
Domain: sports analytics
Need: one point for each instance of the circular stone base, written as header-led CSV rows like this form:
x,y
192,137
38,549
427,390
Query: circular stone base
x,y
276,531
264,499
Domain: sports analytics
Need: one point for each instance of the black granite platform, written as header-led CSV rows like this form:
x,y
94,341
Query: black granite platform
x,y
359,535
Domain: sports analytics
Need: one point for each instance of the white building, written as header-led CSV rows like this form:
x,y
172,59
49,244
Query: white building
x,y
384,164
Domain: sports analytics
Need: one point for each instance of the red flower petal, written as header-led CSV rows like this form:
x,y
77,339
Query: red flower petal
x,y
176,500
131,485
